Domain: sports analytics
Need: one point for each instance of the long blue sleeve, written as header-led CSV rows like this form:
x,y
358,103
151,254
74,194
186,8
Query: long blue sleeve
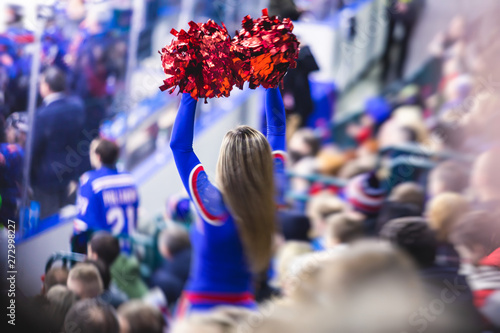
x,y
276,135
181,141
206,197
276,119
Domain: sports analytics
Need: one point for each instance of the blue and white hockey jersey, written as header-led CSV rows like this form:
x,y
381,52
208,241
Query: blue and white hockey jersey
x,y
107,200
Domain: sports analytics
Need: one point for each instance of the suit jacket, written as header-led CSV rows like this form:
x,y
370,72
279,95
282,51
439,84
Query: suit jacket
x,y
60,148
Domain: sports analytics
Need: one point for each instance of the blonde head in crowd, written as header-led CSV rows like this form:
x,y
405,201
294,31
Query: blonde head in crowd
x,y
444,211
138,316
372,280
245,178
481,122
285,258
84,280
485,182
319,207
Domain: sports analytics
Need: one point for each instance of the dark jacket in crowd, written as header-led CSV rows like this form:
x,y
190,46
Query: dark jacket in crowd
x,y
446,255
451,300
171,276
296,83
60,149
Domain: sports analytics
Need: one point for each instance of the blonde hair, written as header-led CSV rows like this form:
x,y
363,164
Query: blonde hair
x,y
411,117
286,256
333,276
320,207
444,211
245,178
89,279
141,316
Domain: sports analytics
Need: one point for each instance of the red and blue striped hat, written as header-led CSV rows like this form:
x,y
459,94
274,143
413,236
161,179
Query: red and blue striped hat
x,y
365,194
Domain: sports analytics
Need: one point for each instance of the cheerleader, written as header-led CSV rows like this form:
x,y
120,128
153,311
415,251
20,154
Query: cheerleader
x,y
234,237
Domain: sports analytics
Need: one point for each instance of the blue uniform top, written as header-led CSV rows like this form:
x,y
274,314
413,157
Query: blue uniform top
x,y
220,273
11,177
107,200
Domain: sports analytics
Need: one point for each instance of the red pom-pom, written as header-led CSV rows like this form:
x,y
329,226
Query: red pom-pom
x,y
263,50
199,61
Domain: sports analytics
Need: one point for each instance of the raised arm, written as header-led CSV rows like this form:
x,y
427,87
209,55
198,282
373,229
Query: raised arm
x,y
181,141
276,119
206,197
276,135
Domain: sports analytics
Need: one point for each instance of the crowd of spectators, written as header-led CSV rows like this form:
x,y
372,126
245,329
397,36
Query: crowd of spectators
x,y
381,251
83,61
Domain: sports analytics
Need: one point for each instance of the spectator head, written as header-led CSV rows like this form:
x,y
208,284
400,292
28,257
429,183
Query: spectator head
x,y
444,211
458,88
103,270
13,13
449,176
393,210
16,128
178,209
482,120
55,276
447,135
409,192
414,236
98,15
457,27
344,228
295,226
484,179
365,194
285,259
319,208
303,143
61,299
173,240
103,152
368,270
305,167
91,316
378,109
356,167
410,117
136,316
329,161
476,235
53,81
103,246
85,281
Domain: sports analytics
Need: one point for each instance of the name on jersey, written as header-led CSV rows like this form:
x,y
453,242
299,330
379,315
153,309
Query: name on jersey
x,y
119,197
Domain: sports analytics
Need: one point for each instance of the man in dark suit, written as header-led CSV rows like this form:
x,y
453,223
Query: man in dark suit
x,y
405,13
60,150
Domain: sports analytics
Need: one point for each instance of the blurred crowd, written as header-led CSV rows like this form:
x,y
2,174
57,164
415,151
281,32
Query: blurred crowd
x,y
87,42
83,61
373,249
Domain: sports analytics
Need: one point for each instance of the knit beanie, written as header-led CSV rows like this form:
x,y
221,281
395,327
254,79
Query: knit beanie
x,y
365,194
